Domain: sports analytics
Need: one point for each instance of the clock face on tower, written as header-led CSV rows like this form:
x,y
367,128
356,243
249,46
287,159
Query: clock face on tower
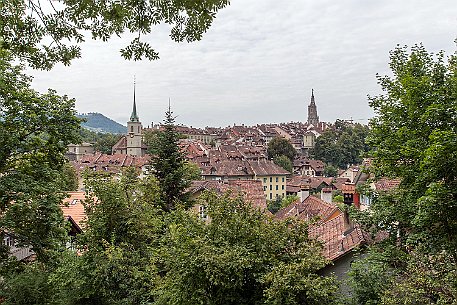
x,y
132,135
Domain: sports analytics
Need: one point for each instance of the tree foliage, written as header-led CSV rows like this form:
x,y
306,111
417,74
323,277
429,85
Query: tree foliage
x,y
168,163
281,147
413,136
284,162
342,144
46,32
35,130
103,142
226,261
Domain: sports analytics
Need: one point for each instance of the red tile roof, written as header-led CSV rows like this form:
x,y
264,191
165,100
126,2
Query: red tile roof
x,y
311,208
251,190
73,207
267,168
385,184
337,241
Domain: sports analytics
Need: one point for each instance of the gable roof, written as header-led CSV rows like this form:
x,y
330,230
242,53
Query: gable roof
x,y
73,209
336,240
311,207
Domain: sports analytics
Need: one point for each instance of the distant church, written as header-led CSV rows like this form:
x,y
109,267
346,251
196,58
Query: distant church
x,y
132,143
313,119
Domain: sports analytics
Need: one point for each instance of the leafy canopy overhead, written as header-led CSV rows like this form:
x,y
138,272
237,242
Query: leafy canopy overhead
x,y
50,31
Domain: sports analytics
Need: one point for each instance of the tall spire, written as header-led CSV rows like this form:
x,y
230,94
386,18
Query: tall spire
x,y
312,97
134,115
313,119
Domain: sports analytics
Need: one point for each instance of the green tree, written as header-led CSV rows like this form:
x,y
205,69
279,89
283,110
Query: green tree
x,y
414,138
35,130
342,144
330,171
168,164
226,261
284,162
122,233
281,147
46,32
69,178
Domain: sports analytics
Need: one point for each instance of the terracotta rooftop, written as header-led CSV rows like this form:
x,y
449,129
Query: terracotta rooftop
x,y
267,168
73,207
335,242
251,190
385,184
312,207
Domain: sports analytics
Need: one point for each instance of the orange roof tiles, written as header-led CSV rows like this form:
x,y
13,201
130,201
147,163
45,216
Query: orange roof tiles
x,y
73,207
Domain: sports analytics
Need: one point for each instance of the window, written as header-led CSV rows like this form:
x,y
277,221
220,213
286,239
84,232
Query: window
x,y
271,179
277,179
131,128
271,187
271,196
202,212
264,188
277,187
282,179
264,180
282,187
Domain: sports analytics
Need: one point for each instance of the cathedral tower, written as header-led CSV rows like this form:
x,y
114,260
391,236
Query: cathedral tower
x,y
312,111
134,131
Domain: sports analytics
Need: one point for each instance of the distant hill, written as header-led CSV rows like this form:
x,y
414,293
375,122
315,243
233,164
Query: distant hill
x,y
99,123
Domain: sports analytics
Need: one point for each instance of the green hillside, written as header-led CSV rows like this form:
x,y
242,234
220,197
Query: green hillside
x,y
99,123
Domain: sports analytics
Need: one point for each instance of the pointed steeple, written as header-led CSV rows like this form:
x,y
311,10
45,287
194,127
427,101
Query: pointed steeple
x,y
313,119
134,116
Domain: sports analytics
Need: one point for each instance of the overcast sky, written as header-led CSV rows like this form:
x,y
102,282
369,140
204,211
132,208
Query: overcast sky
x,y
258,63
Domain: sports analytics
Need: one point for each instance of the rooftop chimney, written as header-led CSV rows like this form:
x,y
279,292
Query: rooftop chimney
x,y
304,192
327,195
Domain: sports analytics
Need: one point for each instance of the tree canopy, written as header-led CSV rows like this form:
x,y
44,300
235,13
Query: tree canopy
x,y
168,163
342,144
35,130
279,146
414,138
46,32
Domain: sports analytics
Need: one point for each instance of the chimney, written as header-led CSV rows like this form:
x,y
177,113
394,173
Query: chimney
x,y
327,195
348,191
304,192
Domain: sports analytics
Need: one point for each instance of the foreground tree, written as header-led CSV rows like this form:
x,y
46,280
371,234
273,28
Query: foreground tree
x,y
35,130
226,261
123,230
46,32
414,136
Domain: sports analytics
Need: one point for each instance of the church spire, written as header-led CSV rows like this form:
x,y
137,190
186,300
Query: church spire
x,y
134,116
313,119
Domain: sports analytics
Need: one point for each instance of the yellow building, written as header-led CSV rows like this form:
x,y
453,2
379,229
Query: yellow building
x,y
272,176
